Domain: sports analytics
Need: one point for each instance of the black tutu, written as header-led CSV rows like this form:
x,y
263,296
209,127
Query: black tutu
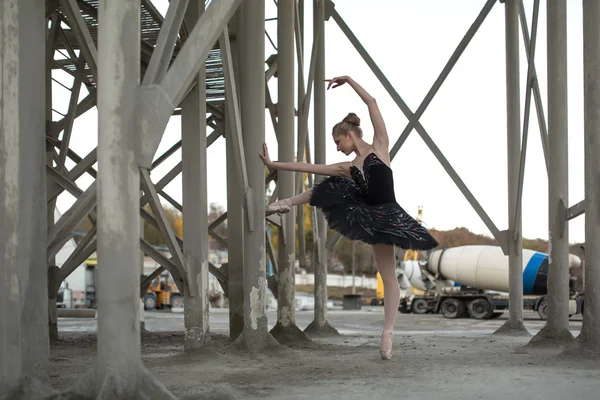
x,y
348,208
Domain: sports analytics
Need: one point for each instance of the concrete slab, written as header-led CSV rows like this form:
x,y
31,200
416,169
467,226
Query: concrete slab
x,y
433,357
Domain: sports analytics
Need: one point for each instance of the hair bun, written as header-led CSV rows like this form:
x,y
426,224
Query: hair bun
x,y
353,119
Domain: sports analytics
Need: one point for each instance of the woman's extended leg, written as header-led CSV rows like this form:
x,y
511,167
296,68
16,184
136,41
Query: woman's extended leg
x,y
386,264
285,205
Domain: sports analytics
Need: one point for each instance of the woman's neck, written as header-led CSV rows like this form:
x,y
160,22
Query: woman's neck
x,y
362,148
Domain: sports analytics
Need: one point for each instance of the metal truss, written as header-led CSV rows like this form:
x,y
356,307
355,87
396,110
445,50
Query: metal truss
x,y
207,58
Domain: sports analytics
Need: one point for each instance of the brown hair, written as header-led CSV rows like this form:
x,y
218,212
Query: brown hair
x,y
350,123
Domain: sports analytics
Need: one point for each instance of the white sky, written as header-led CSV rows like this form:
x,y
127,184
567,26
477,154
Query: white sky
x,y
411,41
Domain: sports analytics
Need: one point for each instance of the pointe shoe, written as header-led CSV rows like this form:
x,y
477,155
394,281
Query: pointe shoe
x,y
279,207
386,354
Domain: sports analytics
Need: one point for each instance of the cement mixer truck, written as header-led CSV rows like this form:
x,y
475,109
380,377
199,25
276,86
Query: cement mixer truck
x,y
472,281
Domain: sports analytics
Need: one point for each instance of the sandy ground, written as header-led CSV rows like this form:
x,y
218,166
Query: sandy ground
x,y
433,358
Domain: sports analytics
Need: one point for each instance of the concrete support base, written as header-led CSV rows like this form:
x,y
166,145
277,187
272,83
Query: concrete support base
x,y
29,389
196,332
551,337
316,330
115,386
290,334
582,349
508,329
244,343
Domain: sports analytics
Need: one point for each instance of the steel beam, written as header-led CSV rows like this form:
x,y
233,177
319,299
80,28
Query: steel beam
x,y
235,123
537,97
63,229
498,235
161,218
159,101
487,7
165,44
529,85
575,211
84,38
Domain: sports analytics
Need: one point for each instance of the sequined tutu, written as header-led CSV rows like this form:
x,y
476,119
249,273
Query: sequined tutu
x,y
347,211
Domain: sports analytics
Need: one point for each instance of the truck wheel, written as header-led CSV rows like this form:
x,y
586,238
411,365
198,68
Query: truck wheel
x,y
480,309
452,308
543,309
149,301
176,301
419,306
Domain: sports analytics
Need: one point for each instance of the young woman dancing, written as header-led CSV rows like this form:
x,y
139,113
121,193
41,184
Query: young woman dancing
x,y
358,200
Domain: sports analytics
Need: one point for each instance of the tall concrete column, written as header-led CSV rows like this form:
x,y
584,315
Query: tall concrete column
x,y
286,330
50,185
23,277
320,257
195,202
255,335
557,324
119,373
514,325
235,242
301,256
589,340
235,194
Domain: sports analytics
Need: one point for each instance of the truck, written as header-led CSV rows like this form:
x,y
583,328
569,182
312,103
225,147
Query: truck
x,y
472,281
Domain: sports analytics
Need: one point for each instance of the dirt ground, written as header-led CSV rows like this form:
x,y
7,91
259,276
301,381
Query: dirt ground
x,y
433,358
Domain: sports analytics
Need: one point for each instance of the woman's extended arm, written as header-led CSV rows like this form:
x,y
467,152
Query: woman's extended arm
x,y
380,137
339,169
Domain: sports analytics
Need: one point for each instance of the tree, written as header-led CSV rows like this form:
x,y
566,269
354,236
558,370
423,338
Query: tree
x,y
364,260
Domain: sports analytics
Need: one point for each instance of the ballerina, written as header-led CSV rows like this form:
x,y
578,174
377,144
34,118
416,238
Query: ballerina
x,y
358,200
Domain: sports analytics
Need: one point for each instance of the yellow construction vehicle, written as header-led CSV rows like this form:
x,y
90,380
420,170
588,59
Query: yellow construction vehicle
x,y
162,293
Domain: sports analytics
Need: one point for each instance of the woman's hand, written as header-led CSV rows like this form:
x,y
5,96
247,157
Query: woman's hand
x,y
265,156
338,81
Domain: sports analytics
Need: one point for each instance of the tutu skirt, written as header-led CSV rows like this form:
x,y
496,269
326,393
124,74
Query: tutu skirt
x,y
346,210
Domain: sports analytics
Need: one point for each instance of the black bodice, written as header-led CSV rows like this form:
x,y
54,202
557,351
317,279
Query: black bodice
x,y
376,180
364,207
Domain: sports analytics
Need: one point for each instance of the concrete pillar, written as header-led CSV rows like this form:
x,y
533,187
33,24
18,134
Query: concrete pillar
x,y
557,324
235,194
119,373
285,330
589,340
195,203
255,334
52,271
301,256
23,276
235,242
320,258
514,325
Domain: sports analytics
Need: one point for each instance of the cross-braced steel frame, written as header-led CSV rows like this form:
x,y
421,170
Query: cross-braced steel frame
x,y
207,58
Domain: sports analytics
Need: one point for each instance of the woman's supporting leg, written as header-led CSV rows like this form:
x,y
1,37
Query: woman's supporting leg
x,y
386,264
285,205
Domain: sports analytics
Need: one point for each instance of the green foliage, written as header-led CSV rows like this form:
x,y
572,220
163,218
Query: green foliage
x,y
364,262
